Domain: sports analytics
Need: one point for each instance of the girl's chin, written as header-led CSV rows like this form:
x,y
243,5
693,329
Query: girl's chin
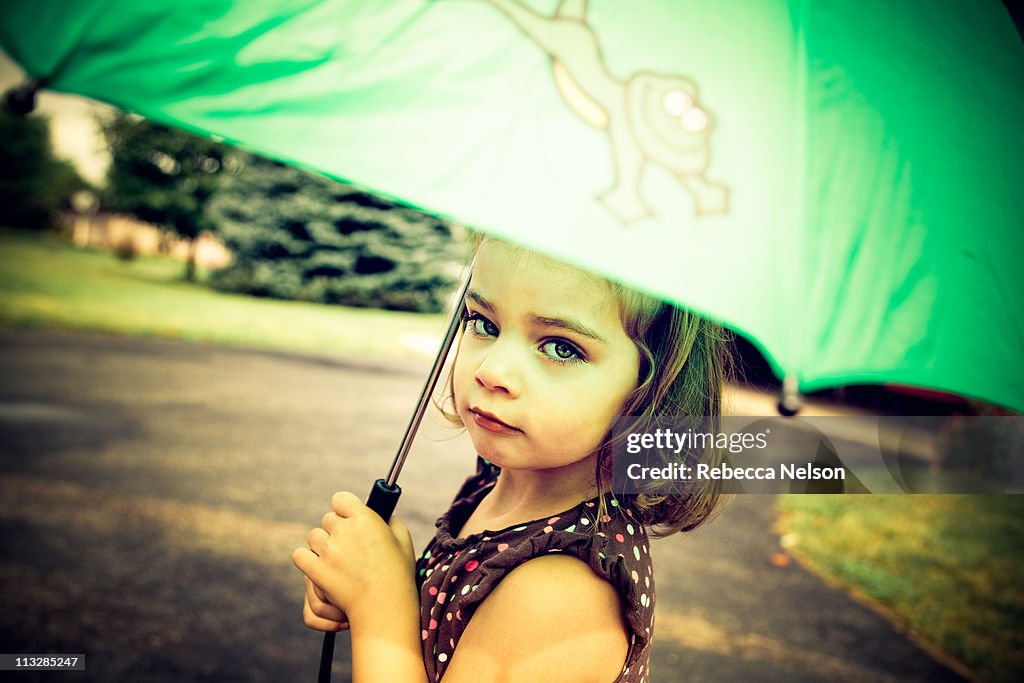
x,y
491,448
484,443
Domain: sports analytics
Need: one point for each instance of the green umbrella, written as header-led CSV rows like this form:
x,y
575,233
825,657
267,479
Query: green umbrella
x,y
833,179
839,181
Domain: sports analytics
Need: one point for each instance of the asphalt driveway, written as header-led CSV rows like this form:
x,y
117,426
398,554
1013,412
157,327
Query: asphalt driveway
x,y
151,492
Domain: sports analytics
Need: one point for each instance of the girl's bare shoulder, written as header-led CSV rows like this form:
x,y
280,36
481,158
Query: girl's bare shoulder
x,y
552,619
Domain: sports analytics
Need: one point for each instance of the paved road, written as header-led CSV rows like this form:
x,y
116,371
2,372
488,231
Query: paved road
x,y
151,492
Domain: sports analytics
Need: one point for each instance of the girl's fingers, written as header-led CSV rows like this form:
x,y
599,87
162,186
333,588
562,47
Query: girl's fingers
x,y
319,605
317,612
319,623
346,504
316,540
329,522
302,558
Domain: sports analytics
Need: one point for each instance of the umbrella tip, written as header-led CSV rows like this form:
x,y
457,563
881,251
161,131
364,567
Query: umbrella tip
x,y
789,403
21,99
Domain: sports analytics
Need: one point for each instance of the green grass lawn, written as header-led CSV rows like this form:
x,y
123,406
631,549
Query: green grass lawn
x,y
949,567
48,283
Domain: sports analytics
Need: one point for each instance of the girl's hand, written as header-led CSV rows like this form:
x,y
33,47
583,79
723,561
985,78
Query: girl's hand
x,y
355,562
319,614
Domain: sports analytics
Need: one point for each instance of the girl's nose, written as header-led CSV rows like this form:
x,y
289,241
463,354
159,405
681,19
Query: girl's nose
x,y
497,372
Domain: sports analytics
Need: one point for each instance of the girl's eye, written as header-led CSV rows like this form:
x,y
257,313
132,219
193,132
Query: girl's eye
x,y
480,326
562,351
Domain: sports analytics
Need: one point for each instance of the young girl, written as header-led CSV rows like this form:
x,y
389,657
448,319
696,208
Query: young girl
x,y
537,571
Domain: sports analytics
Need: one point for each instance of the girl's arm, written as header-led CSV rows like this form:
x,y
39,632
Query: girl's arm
x,y
386,644
551,619
364,568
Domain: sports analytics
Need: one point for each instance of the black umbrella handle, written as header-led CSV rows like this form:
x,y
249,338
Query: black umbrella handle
x,y
382,500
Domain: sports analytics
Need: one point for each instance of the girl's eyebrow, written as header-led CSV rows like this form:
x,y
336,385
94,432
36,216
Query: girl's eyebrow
x,y
568,324
479,300
544,321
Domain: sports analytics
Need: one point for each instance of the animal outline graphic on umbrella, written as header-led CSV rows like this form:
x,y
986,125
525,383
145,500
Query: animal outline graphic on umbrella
x,y
649,117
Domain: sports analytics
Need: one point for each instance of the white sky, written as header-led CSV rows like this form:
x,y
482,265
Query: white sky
x,y
72,123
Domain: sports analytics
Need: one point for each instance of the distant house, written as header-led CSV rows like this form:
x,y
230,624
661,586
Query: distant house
x,y
113,231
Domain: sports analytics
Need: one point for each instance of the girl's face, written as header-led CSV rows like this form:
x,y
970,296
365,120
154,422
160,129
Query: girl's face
x,y
543,365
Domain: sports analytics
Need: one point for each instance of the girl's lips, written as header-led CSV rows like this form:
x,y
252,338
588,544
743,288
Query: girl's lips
x,y
491,422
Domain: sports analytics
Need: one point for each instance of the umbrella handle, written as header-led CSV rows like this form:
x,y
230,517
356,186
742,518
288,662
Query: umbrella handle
x,y
384,495
382,500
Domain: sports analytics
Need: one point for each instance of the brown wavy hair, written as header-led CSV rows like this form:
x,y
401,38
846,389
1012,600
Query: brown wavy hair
x,y
684,365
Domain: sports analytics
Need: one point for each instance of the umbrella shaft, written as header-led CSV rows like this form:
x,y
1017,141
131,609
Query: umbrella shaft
x,y
428,387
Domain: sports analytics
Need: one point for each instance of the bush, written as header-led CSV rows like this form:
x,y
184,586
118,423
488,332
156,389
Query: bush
x,y
294,235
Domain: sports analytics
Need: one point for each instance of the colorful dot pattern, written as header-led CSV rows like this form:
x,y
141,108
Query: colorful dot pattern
x,y
456,574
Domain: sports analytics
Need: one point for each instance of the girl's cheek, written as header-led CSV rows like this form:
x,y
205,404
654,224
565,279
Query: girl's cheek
x,y
463,373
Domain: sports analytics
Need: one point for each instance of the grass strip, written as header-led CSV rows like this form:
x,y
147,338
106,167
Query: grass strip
x,y
47,283
949,567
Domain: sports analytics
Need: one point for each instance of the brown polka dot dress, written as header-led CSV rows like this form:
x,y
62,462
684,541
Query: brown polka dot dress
x,y
456,574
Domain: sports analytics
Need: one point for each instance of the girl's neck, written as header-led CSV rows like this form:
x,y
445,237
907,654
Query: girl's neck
x,y
525,495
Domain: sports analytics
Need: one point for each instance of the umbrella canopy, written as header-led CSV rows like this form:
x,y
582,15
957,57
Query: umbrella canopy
x,y
839,181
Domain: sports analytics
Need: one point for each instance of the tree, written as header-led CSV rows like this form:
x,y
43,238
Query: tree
x,y
295,235
34,183
163,176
